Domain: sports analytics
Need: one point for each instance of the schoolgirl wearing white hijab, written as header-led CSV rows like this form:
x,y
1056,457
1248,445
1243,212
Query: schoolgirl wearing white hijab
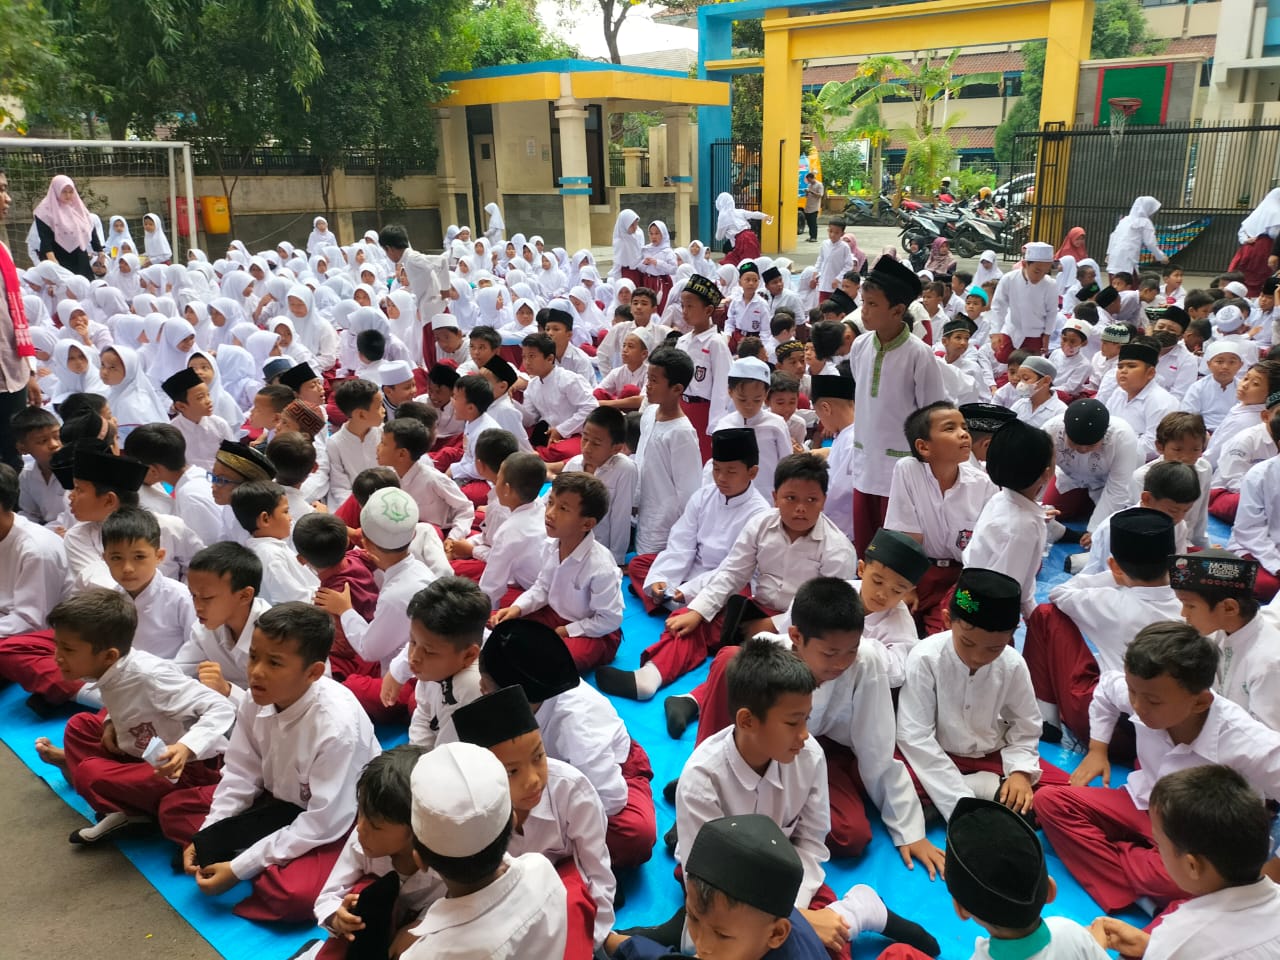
x,y
177,340
37,313
157,244
79,328
462,304
76,367
401,309
658,262
117,236
496,229
45,340
239,378
491,310
320,236
1131,234
133,396
524,321
262,345
239,287
628,246
588,320
224,406
290,345
316,333
126,277
987,269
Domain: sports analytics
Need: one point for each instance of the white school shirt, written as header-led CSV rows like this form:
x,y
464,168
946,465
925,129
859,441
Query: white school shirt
x,y
521,914
437,701
464,470
1234,923
841,461
418,890
568,821
34,577
773,442
165,616
1229,736
562,398
1068,941
193,502
387,635
1073,371
316,486
310,754
509,416
575,361
797,427
623,376
621,477
581,727
1052,408
146,696
835,259
711,361
944,709
946,520
1021,309
1144,413
1194,528
284,577
1110,615
348,455
766,554
40,501
1214,402
1238,418
203,438
1257,527
1178,370
701,538
515,551
83,546
670,463
1245,450
856,710
1249,670
965,380
892,380
440,501
717,782
1009,538
1103,368
299,507
751,317
1106,473
1095,561
585,588
229,652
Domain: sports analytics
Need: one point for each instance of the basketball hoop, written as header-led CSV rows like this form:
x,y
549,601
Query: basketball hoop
x,y
1122,108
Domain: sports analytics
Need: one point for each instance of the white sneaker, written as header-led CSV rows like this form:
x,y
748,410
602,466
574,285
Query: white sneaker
x,y
108,825
984,784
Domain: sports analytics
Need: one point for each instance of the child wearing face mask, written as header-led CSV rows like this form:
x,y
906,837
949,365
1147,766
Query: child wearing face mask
x,y
1037,404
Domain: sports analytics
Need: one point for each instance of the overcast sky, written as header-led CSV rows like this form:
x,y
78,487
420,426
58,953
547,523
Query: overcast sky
x,y
639,33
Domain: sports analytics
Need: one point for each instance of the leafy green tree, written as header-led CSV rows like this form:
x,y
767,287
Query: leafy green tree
x,y
509,31
747,90
31,64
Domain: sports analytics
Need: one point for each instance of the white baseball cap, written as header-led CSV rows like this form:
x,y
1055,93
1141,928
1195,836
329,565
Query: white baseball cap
x,y
389,518
461,799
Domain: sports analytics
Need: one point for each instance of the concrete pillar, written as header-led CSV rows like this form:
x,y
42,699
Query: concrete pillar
x,y
575,182
446,175
631,157
679,144
780,146
344,228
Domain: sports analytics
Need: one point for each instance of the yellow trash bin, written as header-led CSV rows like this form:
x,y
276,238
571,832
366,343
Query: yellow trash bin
x,y
214,213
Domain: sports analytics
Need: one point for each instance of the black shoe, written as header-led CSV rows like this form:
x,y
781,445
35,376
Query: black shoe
x,y
43,709
1050,732
901,930
619,683
667,934
680,712
670,839
669,791
305,949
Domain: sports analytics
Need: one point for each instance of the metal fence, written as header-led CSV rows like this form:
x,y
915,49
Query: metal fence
x,y
1207,179
735,170
617,171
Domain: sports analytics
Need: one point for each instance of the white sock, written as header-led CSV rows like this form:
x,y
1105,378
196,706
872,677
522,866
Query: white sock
x,y
648,680
862,909
1049,713
984,784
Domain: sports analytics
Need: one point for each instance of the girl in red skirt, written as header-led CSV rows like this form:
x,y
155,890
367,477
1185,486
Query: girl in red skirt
x,y
732,225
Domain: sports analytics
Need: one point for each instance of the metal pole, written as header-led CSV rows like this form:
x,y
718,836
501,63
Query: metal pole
x,y
191,195
173,204
17,143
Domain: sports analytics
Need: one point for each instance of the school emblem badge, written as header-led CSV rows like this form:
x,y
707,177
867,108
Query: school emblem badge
x,y
963,538
699,373
142,735
304,792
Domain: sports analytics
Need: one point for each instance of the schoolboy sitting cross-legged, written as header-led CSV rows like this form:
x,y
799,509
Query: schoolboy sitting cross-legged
x,y
287,797
558,813
195,420
777,550
41,498
1105,836
768,763
376,891
579,726
159,728
604,456
578,591
967,719
263,510
556,401
403,447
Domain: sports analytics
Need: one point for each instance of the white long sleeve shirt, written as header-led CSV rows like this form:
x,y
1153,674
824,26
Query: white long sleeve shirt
x,y
193,502
717,782
561,398
1229,736
310,754
1110,615
440,500
436,703
585,588
348,455
568,821
515,551
510,417
283,577
944,708
203,438
83,545
1106,472
1143,413
1234,923
1178,370
1237,418
165,616
670,463
711,361
1257,527
1009,538
230,652
388,633
34,576
41,501
765,554
1021,309
418,890
464,470
146,696
582,728
835,259
946,520
1249,671
1245,450
620,476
